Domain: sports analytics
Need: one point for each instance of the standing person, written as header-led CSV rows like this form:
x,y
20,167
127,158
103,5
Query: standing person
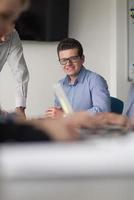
x,y
86,90
11,49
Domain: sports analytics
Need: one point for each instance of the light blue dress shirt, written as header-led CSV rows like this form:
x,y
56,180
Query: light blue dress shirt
x,y
129,106
88,93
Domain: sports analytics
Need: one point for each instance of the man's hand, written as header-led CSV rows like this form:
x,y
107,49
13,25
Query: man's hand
x,y
20,111
54,113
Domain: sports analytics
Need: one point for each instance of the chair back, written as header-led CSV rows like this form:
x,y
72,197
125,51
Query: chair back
x,y
116,105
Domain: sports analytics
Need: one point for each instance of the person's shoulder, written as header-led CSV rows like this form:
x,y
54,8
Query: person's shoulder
x,y
131,89
92,74
61,81
132,85
15,34
95,77
15,40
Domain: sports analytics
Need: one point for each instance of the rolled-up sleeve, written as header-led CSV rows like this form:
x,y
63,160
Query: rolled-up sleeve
x,y
100,95
19,69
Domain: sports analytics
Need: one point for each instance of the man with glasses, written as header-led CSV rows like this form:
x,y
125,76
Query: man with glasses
x,y
11,49
86,90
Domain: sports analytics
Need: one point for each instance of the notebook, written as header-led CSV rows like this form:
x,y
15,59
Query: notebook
x,y
65,104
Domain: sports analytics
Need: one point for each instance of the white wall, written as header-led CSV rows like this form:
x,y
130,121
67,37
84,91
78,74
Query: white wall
x,y
44,71
101,28
121,49
90,25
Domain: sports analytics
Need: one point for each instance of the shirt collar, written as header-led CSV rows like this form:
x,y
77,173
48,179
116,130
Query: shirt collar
x,y
7,40
80,78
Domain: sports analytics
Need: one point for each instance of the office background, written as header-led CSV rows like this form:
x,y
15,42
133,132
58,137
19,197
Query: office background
x,y
101,27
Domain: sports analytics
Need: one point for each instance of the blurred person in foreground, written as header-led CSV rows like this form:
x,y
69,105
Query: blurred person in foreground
x,y
13,128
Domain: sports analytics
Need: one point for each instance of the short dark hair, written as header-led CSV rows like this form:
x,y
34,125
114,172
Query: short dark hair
x,y
70,43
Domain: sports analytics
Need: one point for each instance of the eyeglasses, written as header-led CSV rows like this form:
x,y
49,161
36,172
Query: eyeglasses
x,y
72,59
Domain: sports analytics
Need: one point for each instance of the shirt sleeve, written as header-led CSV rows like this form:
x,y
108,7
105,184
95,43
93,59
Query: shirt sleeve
x,y
56,102
19,69
129,105
100,95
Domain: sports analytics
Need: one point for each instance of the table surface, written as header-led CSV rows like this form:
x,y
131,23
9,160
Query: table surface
x,y
93,157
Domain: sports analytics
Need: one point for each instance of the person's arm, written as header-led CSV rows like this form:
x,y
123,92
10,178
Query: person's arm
x,y
100,95
13,128
19,69
99,120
